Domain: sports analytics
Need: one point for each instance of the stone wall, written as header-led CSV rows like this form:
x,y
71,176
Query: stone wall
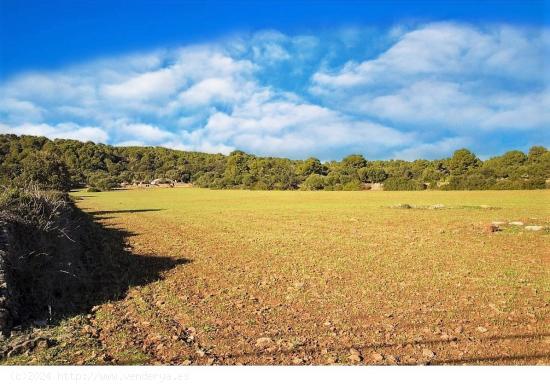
x,y
5,319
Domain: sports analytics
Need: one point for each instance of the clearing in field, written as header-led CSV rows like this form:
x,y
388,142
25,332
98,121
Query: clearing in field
x,y
330,277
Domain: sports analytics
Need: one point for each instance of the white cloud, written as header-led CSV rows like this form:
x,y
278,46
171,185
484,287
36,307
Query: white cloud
x,y
20,110
446,49
155,84
59,131
418,91
458,77
269,124
434,149
142,131
213,89
131,143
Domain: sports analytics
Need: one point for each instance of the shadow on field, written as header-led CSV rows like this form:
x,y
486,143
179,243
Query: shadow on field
x,y
495,359
66,274
99,213
367,349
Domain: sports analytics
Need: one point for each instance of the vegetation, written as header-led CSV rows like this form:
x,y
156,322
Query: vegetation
x,y
56,261
65,164
301,277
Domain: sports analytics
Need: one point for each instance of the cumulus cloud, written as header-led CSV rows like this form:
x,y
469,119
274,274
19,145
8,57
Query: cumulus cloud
x,y
407,92
58,131
459,77
141,131
271,124
432,149
145,86
445,50
19,110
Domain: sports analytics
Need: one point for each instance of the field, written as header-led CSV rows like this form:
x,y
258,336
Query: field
x,y
328,277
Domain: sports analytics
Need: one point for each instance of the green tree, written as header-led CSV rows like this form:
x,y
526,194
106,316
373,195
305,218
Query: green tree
x,y
463,161
372,174
236,166
536,154
311,166
354,161
45,170
314,182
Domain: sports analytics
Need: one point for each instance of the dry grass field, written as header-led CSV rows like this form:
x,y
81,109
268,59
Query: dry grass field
x,y
325,278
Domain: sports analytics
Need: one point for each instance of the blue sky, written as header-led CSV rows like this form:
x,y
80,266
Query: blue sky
x,y
389,79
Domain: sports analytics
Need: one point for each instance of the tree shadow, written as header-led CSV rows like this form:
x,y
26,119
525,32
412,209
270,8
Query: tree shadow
x,y
375,346
99,213
493,359
58,275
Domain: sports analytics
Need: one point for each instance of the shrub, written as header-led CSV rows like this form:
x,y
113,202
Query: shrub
x,y
371,174
103,181
398,183
55,260
260,185
45,171
32,206
352,185
474,181
314,182
507,184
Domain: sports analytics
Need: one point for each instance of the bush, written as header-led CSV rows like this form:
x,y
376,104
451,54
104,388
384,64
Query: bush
x,y
371,174
398,183
474,181
314,182
56,261
103,181
45,171
507,184
32,206
260,186
352,185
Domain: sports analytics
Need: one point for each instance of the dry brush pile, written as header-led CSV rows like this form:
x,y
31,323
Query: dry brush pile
x,y
54,259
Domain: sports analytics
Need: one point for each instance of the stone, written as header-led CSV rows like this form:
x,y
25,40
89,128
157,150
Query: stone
x,y
377,357
516,223
95,308
354,358
22,348
392,360
403,206
297,361
437,206
481,329
42,344
263,342
493,228
331,360
428,353
498,223
533,228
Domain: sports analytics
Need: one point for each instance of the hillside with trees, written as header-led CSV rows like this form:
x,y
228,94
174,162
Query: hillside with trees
x,y
65,164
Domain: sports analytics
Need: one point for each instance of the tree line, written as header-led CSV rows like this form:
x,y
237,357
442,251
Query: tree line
x,y
66,164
